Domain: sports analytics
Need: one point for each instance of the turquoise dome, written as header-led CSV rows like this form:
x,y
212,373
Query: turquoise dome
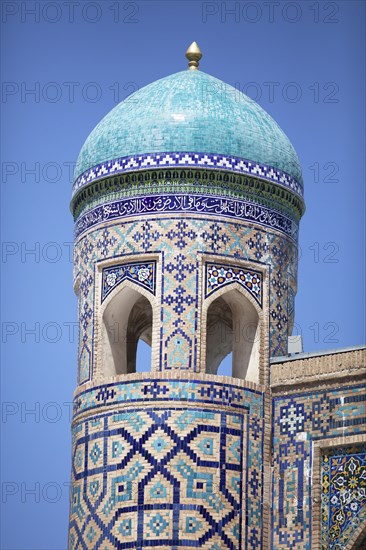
x,y
189,111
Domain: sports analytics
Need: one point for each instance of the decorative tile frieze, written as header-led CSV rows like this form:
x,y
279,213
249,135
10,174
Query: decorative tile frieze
x,y
157,390
169,204
189,160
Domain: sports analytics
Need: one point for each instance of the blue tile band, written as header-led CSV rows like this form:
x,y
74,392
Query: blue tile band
x,y
168,204
186,160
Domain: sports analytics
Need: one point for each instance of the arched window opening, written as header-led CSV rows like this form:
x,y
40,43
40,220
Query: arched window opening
x,y
127,320
219,340
233,328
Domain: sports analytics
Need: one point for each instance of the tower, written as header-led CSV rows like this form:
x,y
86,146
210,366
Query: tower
x,y
187,200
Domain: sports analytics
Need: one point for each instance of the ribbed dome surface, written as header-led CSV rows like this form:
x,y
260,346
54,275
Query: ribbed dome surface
x,y
189,111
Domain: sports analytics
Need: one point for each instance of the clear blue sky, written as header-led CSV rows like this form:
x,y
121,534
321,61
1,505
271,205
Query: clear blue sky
x,y
302,61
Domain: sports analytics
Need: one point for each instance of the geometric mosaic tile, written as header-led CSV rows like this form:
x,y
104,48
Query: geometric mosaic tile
x,y
219,275
168,477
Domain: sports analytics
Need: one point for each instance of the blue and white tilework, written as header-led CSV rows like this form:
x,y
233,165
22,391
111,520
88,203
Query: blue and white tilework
x,y
180,243
189,160
219,275
343,481
177,473
299,421
141,273
160,204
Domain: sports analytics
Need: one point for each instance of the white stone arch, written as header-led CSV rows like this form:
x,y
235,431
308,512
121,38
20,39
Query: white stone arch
x,y
232,321
127,314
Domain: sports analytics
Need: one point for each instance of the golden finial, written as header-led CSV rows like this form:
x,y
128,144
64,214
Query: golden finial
x,y
193,54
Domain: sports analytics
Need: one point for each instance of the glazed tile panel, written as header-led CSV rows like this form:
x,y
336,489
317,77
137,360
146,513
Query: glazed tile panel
x,y
167,476
298,421
141,273
219,276
343,494
180,243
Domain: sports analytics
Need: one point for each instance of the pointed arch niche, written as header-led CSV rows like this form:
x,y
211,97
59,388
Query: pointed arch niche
x,y
126,317
233,321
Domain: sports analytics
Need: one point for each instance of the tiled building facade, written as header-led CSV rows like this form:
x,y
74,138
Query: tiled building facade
x,y
187,201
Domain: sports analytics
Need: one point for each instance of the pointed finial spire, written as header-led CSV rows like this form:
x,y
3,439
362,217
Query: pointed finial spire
x,y
193,54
